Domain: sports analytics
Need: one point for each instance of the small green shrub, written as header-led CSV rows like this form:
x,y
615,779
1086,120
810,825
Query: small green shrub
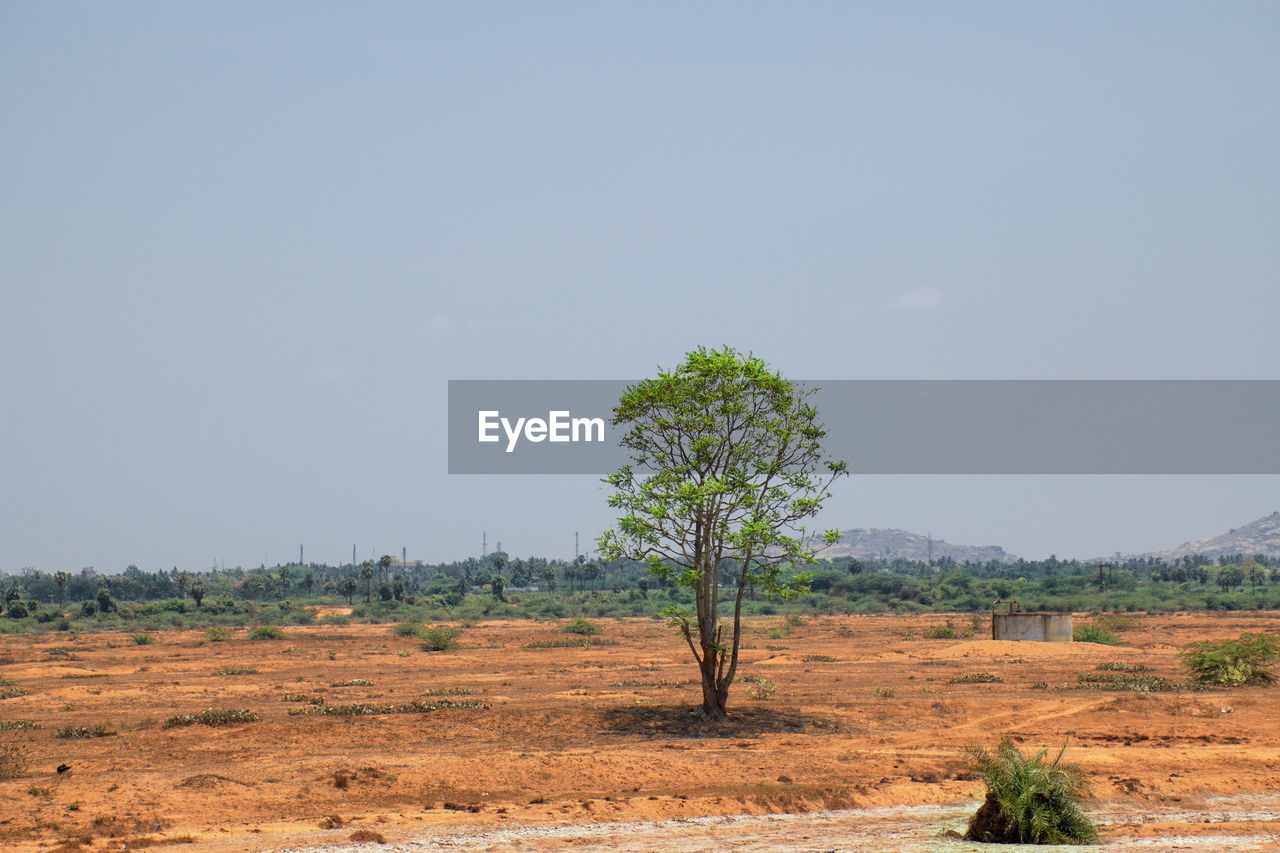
x,y
976,678
17,725
12,692
211,717
439,638
1248,659
941,632
237,670
1028,801
76,732
882,692
1094,634
582,627
818,659
267,632
217,635
353,682
759,687
143,639
407,629
304,698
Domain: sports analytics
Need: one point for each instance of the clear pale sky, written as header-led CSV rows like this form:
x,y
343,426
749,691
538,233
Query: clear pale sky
x,y
243,247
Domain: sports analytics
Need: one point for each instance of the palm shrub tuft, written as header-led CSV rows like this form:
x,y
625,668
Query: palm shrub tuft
x,y
1029,801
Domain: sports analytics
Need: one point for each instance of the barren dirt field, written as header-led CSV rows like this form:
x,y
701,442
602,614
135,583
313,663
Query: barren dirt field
x,y
595,748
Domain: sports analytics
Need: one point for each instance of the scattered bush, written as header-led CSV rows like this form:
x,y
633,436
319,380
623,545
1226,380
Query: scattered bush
x,y
237,670
71,732
217,635
759,687
1113,666
882,692
11,692
353,682
1125,681
584,643
407,629
439,638
13,761
303,697
941,632
976,678
818,659
360,709
1248,659
17,725
211,717
143,639
1116,622
582,627
267,632
1094,634
1028,801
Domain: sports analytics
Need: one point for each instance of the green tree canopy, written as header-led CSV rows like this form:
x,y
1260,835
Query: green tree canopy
x,y
726,464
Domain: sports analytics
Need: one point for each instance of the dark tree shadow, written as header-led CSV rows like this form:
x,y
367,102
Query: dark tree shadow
x,y
667,721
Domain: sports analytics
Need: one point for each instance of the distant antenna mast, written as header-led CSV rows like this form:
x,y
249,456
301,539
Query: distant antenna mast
x,y
353,555
484,543
575,545
404,554
300,562
931,550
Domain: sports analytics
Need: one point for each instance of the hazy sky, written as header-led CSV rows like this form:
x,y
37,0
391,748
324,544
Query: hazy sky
x,y
244,246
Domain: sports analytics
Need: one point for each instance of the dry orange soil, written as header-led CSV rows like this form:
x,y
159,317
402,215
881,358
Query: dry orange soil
x,y
602,734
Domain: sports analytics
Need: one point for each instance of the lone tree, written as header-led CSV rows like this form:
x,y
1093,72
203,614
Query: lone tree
x,y
726,463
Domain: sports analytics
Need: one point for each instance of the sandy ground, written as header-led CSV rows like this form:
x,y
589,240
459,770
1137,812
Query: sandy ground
x,y
595,748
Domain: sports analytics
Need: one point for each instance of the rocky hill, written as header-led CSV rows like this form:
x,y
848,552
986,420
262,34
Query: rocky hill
x,y
888,544
1256,537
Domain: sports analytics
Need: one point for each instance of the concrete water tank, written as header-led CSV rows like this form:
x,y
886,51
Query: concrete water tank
x,y
1039,627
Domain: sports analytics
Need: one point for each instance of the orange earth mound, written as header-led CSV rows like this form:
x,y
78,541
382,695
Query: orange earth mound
x,y
589,734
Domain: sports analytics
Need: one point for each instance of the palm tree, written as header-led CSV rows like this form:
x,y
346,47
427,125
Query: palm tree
x,y
348,588
1028,801
366,572
61,578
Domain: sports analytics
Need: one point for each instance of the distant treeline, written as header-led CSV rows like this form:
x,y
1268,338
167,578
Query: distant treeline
x,y
498,586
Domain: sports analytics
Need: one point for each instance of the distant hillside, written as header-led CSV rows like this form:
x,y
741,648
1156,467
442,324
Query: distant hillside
x,y
1256,537
887,544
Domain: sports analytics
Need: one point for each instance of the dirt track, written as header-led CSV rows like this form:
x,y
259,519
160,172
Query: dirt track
x,y
601,735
